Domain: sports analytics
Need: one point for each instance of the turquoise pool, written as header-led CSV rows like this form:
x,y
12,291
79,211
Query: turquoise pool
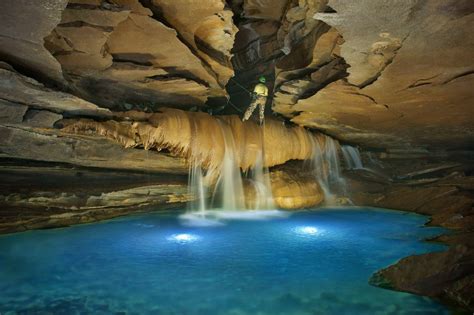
x,y
310,262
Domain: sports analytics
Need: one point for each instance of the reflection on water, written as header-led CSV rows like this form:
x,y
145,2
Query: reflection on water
x,y
305,263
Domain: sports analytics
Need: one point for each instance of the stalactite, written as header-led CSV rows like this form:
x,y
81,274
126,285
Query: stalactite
x,y
199,137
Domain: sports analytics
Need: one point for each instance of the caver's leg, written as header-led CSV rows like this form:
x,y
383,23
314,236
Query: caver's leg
x,y
250,110
262,102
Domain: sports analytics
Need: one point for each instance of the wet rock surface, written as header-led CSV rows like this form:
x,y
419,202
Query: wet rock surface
x,y
445,275
36,196
442,190
295,190
393,77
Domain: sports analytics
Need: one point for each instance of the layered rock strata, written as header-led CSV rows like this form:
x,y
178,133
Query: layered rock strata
x,y
393,76
36,197
441,187
112,52
407,82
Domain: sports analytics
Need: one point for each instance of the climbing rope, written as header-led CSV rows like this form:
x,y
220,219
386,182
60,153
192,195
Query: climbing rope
x,y
233,106
240,85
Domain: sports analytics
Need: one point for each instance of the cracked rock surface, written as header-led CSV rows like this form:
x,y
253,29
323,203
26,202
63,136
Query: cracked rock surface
x,y
408,78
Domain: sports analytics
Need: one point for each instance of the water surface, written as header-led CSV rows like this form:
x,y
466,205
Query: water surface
x,y
314,262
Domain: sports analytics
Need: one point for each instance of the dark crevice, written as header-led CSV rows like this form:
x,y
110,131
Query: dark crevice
x,y
364,95
421,82
312,91
259,40
185,75
217,55
107,29
164,77
136,59
67,53
328,9
460,75
173,76
104,5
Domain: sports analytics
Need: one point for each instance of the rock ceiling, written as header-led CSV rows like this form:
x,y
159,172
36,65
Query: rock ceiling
x,y
391,74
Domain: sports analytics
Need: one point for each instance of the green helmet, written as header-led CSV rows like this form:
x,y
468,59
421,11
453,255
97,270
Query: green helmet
x,y
262,79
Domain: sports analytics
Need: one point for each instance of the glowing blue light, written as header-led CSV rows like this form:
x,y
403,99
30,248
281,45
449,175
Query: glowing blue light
x,y
311,230
183,238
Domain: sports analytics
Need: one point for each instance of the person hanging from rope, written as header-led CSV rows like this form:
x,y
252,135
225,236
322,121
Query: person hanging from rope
x,y
259,97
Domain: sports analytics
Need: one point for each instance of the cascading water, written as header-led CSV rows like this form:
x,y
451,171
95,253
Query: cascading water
x,y
229,188
197,188
260,179
325,163
352,157
220,183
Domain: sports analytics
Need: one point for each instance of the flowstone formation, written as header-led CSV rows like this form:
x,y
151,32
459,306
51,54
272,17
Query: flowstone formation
x,y
90,127
223,146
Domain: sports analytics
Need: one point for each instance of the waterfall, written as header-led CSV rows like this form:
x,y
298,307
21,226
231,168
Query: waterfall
x,y
229,191
325,164
225,182
229,165
197,188
351,157
260,178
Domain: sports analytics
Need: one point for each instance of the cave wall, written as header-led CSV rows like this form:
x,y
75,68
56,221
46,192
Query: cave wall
x,y
350,70
409,72
392,77
121,54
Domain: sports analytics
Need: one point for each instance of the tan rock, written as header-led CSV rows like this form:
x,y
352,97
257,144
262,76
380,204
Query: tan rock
x,y
16,88
265,9
135,6
417,66
179,132
140,39
53,146
207,27
22,29
88,49
86,2
293,191
100,18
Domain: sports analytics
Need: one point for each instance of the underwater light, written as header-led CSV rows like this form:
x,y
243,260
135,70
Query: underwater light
x,y
183,238
307,230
